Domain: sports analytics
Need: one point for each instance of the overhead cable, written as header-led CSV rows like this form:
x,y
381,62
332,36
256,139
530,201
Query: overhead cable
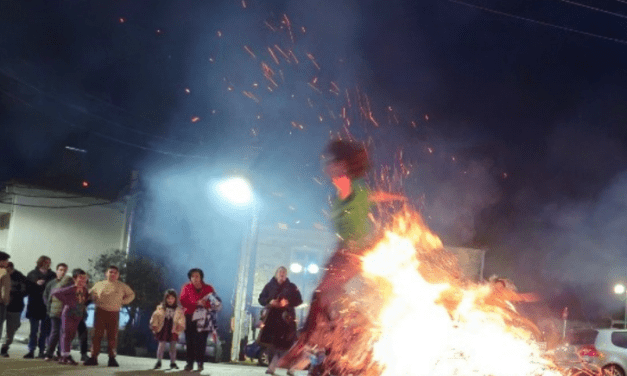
x,y
621,41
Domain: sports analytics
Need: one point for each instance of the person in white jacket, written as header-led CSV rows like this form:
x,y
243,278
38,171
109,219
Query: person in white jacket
x,y
167,322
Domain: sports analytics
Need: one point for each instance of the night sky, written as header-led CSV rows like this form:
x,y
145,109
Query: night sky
x,y
503,122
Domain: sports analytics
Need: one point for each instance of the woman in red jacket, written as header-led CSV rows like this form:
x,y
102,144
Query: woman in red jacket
x,y
197,298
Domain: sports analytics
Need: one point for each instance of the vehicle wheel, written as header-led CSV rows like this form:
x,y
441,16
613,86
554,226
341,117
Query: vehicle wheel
x,y
264,357
613,370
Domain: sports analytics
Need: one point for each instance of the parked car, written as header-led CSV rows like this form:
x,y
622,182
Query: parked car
x,y
589,351
258,352
213,351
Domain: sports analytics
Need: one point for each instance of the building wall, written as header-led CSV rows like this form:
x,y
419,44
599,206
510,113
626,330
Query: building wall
x,y
277,247
70,235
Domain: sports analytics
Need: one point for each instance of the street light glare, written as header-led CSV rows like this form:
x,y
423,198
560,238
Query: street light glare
x,y
236,190
296,268
619,289
313,269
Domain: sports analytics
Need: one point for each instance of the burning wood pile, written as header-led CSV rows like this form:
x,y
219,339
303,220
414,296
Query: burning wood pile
x,y
407,311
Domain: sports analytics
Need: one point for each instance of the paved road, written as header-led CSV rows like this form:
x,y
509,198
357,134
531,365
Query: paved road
x,y
129,366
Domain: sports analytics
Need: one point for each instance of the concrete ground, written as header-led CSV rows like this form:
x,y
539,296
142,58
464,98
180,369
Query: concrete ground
x,y
15,365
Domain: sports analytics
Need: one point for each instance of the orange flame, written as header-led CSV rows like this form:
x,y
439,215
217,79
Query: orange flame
x,y
432,322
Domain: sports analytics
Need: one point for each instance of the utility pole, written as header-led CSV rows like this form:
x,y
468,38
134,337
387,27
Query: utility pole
x,y
241,291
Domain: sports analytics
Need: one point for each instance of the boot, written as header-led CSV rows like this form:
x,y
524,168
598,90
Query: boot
x,y
4,351
113,362
91,362
29,355
173,365
158,365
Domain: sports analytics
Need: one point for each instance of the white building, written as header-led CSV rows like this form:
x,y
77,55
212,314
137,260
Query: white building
x,y
66,227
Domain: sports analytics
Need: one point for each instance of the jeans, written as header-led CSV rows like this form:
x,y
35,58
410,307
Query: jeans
x,y
3,316
41,326
53,338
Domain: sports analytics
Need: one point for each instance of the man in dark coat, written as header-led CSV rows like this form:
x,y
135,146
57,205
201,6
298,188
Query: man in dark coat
x,y
36,308
279,296
14,308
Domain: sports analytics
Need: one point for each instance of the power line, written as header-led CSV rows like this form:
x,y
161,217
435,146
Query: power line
x,y
60,207
593,8
85,111
621,41
95,133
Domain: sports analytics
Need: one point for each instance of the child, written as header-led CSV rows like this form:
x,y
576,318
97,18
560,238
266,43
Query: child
x,y
74,300
167,322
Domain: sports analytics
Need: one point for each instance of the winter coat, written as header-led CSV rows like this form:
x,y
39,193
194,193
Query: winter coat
x,y
18,292
279,324
36,307
158,317
54,305
190,296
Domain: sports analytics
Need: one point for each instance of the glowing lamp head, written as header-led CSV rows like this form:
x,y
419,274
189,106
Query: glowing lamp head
x,y
296,268
313,269
619,289
85,184
236,190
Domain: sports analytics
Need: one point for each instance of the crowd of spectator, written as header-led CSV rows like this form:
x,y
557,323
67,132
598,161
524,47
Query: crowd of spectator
x,y
57,311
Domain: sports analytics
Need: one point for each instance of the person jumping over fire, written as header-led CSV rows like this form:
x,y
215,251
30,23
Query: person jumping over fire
x,y
353,222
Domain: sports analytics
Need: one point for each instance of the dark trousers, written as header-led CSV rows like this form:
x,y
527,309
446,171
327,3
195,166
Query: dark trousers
x,y
41,327
105,321
82,335
13,321
195,342
53,338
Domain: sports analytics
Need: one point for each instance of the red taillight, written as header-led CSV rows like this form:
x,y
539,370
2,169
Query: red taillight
x,y
588,350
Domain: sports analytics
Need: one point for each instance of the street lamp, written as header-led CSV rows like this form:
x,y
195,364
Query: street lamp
x,y
619,289
238,191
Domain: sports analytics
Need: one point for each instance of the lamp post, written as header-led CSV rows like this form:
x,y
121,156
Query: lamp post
x,y
619,289
238,192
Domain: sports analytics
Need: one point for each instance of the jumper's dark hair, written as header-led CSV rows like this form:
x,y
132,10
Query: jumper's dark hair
x,y
170,292
113,267
77,272
353,154
60,265
41,260
195,270
4,256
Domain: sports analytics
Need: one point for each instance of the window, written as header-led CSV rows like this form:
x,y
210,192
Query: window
x,y
583,337
620,339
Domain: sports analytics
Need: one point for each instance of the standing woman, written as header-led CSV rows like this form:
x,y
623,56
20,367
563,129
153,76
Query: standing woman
x,y
196,296
280,297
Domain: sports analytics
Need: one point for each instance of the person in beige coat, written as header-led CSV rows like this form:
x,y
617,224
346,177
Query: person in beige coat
x,y
167,322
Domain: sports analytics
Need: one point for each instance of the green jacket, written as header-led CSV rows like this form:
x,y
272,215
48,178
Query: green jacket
x,y
54,305
350,216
